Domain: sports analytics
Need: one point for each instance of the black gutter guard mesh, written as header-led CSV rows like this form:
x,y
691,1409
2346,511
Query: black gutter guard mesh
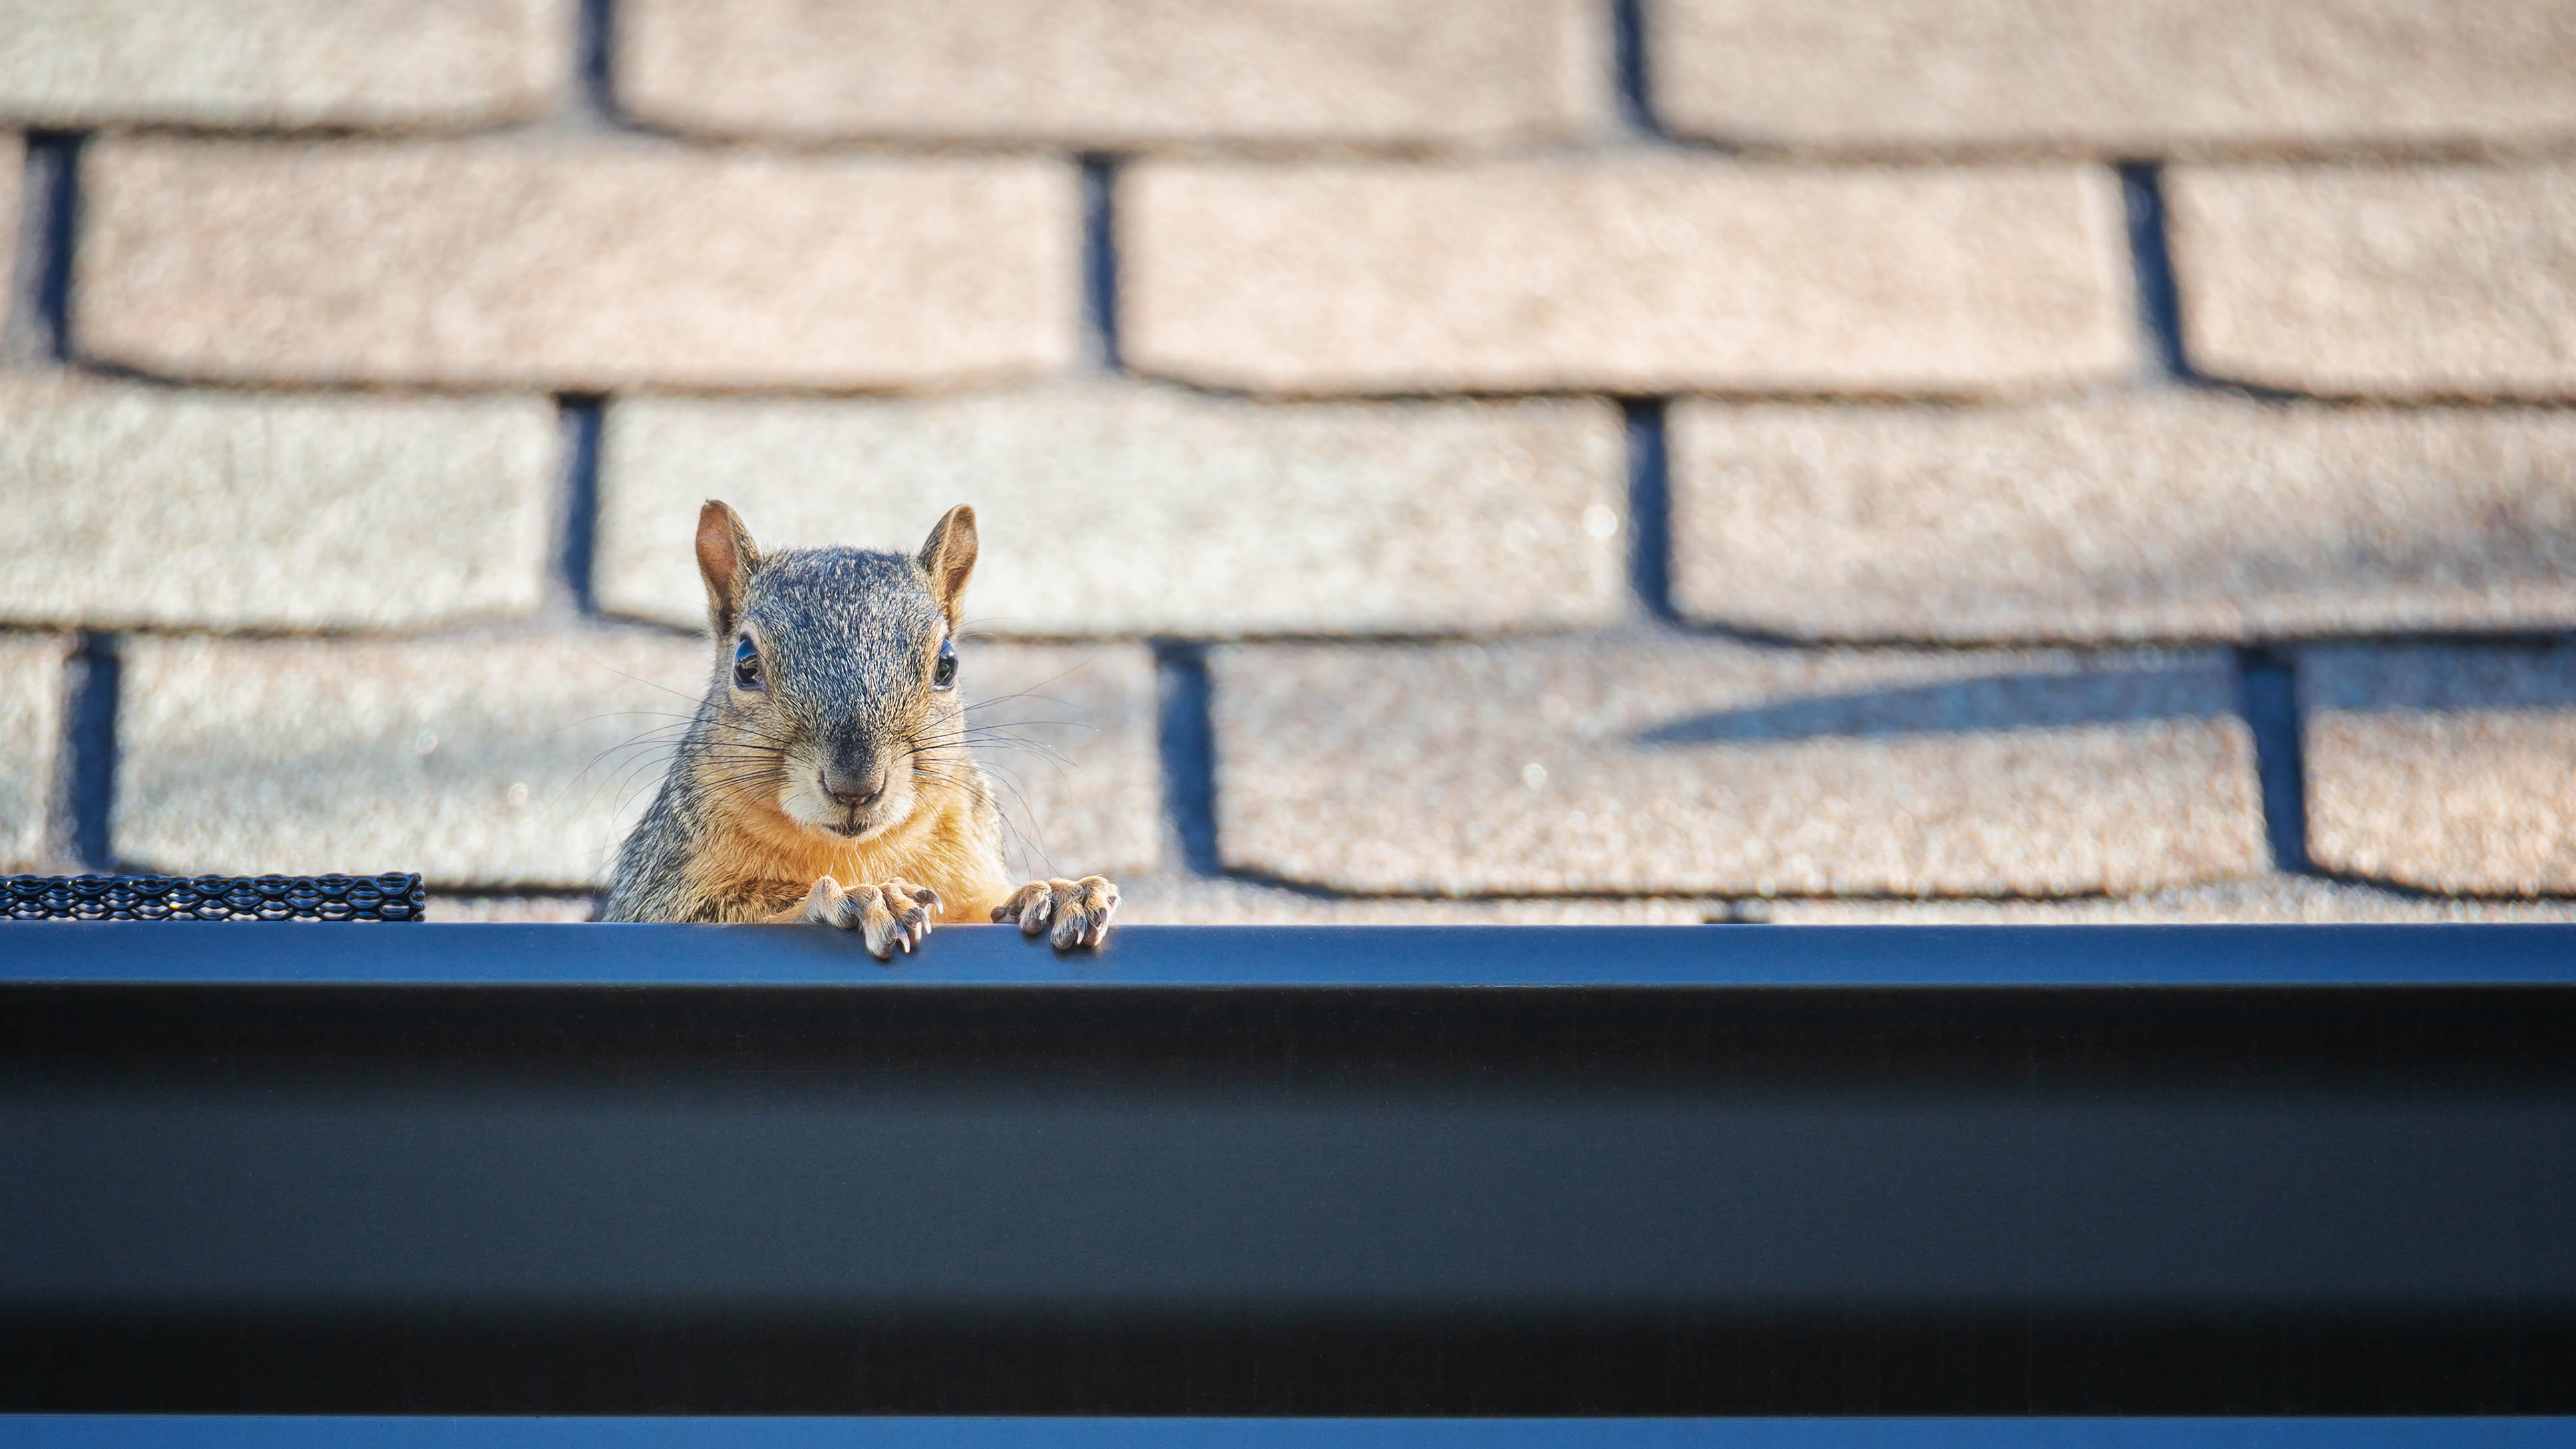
x,y
396,896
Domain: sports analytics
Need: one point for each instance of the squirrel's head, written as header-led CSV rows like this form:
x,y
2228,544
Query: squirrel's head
x,y
835,698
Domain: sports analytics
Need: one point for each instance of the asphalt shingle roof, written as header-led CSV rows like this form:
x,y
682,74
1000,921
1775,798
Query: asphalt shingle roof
x,y
1905,460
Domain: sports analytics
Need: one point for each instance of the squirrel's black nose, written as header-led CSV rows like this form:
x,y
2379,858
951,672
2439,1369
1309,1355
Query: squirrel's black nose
x,y
854,769
854,787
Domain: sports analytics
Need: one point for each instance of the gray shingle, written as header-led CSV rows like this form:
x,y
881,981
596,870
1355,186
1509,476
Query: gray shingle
x,y
2419,281
2139,515
564,264
1067,734
13,172
1118,73
271,63
520,761
31,719
503,761
145,506
2125,76
2446,768
1132,510
1623,274
1651,764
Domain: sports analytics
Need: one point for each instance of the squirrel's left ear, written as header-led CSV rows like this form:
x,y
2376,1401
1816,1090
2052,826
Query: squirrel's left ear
x,y
949,558
726,556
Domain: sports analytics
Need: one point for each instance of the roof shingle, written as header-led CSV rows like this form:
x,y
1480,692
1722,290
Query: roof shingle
x,y
142,506
2402,282
1119,73
1655,765
31,719
572,265
275,63
1623,275
2165,514
1116,509
2126,77
13,172
2448,768
523,759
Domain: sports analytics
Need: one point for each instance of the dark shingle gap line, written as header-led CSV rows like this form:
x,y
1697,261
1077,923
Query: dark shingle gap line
x,y
1650,507
1100,258
2151,262
594,53
2271,702
39,311
452,890
1629,73
577,510
1185,737
85,758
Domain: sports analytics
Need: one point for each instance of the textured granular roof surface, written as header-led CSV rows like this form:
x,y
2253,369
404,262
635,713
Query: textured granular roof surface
x,y
1460,461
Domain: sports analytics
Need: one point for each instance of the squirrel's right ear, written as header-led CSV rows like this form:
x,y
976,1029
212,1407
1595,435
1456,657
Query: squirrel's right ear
x,y
726,555
948,556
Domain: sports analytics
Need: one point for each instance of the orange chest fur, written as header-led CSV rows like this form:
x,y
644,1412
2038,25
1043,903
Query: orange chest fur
x,y
766,856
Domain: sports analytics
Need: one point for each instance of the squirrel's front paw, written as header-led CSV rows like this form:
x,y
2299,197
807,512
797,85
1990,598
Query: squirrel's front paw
x,y
890,914
1080,910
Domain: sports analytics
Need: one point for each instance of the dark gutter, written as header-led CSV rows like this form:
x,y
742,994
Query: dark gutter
x,y
1682,1170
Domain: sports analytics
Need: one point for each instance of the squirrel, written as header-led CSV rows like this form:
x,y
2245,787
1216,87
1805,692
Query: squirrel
x,y
825,777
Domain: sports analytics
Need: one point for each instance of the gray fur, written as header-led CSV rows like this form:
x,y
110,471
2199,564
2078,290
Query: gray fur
x,y
846,637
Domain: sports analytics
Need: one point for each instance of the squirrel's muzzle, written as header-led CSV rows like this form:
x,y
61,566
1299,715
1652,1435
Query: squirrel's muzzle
x,y
854,780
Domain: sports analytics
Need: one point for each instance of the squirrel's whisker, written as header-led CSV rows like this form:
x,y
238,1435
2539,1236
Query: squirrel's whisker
x,y
649,683
1032,691
991,747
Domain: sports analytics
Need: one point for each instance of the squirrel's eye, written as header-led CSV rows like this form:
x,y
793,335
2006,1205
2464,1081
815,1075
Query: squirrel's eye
x,y
944,673
746,664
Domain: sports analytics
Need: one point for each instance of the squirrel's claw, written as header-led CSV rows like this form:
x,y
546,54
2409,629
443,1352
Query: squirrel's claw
x,y
1078,909
911,907
828,905
896,913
